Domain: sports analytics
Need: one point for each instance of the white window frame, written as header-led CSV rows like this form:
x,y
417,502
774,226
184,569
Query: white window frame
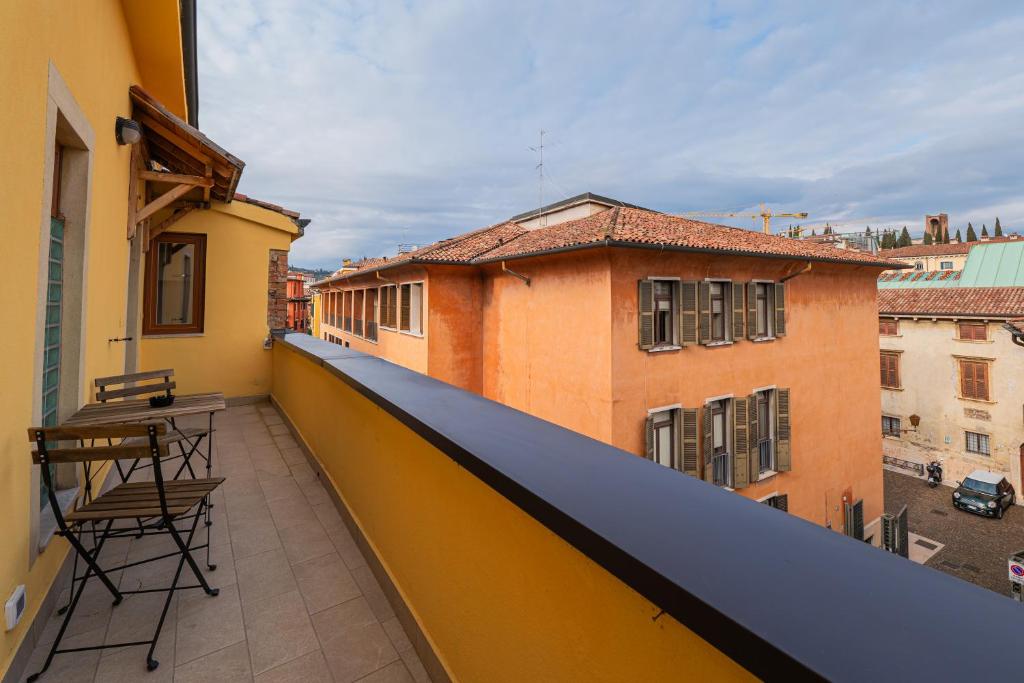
x,y
772,420
899,427
675,449
421,333
727,436
769,310
988,443
726,312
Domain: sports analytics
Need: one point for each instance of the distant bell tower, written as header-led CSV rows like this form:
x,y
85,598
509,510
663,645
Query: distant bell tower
x,y
936,226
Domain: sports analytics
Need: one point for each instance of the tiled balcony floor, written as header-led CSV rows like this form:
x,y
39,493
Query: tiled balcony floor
x,y
297,600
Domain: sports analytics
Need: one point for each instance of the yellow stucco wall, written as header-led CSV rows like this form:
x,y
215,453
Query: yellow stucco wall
x,y
930,379
498,595
229,355
90,46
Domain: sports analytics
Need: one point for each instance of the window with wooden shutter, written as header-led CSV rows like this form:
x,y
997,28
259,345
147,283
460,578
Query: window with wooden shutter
x,y
752,309
974,381
704,312
780,309
889,364
649,437
687,313
708,442
753,434
740,444
888,328
973,331
783,460
739,312
404,306
688,427
646,316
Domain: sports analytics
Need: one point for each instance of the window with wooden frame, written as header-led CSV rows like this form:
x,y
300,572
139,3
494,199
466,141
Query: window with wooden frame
x,y
670,437
977,443
890,366
974,379
389,307
890,426
888,328
174,292
972,331
411,308
718,465
945,265
763,324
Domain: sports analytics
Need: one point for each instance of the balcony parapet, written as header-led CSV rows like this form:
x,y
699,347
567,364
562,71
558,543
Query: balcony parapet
x,y
779,596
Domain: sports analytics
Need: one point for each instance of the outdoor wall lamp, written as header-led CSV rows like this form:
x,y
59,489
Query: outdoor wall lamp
x,y
915,420
128,132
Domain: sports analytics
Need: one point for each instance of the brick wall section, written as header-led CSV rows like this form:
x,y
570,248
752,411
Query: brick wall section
x,y
277,290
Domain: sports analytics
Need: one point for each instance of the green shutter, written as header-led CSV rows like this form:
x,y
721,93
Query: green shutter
x,y
704,312
782,437
752,436
708,444
741,444
687,313
782,502
688,421
649,437
738,310
646,307
751,310
780,310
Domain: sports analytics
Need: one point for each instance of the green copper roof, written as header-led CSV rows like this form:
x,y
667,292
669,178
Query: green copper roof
x,y
994,265
998,264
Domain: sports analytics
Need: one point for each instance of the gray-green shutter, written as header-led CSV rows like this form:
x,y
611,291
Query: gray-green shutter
x,y
741,444
646,317
406,307
688,420
738,310
782,502
780,309
783,461
687,313
649,437
704,312
751,310
709,440
752,436
677,441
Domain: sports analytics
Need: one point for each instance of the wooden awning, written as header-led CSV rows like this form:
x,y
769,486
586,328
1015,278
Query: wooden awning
x,y
182,149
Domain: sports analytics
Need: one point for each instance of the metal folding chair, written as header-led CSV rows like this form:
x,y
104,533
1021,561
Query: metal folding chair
x,y
164,502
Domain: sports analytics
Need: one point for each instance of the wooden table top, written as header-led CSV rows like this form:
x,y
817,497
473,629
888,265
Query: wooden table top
x,y
139,410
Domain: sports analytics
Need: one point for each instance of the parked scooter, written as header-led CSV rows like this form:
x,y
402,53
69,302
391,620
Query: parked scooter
x,y
934,473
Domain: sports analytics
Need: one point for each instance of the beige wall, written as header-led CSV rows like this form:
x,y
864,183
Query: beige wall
x,y
933,262
930,378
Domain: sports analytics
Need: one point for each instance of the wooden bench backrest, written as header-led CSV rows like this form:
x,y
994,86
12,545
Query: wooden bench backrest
x,y
104,394
90,453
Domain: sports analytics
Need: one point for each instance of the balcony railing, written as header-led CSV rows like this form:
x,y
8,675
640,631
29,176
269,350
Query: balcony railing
x,y
530,552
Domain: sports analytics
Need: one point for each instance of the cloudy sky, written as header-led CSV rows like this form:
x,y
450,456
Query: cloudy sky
x,y
405,122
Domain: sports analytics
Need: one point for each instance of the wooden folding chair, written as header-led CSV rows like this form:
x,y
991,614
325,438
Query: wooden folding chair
x,y
166,502
142,385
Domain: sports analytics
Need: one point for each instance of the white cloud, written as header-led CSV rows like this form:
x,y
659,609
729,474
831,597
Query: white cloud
x,y
407,122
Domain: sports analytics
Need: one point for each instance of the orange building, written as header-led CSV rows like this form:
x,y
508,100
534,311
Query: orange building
x,y
746,359
298,302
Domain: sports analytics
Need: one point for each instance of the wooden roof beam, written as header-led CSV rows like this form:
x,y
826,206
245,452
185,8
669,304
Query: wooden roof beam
x,y
176,178
162,201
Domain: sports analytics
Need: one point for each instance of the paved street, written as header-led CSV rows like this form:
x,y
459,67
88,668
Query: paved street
x,y
976,547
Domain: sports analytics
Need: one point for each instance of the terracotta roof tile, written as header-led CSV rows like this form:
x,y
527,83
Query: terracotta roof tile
x,y
967,301
627,225
619,226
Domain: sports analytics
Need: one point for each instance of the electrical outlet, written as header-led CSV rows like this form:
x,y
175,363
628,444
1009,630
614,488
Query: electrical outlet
x,y
15,607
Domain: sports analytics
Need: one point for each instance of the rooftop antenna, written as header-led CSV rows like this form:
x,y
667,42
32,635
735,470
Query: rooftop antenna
x,y
540,178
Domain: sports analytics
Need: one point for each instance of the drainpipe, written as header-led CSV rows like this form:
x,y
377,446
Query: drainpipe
x,y
806,269
513,273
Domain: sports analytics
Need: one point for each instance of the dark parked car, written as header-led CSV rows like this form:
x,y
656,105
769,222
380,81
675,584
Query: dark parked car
x,y
984,493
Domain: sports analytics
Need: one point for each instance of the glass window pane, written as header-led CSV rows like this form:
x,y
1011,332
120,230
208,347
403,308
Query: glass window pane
x,y
175,282
663,446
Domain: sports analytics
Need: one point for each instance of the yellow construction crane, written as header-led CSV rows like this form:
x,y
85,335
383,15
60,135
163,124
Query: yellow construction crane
x,y
766,215
800,230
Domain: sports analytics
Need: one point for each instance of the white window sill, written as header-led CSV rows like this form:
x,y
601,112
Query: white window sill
x,y
891,436
718,343
763,339
975,341
766,475
666,347
418,335
977,400
47,522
